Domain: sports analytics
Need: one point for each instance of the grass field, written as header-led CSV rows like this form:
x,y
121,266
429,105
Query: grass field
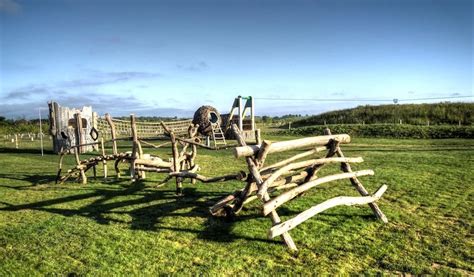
x,y
119,227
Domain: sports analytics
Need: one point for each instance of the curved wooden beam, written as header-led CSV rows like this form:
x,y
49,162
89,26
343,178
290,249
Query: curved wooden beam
x,y
263,188
274,203
336,201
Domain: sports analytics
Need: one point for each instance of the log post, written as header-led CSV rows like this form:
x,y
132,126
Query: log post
x,y
104,161
112,133
258,138
259,181
81,169
192,133
79,133
176,167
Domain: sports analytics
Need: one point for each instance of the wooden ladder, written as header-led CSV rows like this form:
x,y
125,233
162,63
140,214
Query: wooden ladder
x,y
217,134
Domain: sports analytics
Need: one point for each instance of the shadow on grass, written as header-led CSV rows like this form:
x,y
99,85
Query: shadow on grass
x,y
25,151
147,208
32,179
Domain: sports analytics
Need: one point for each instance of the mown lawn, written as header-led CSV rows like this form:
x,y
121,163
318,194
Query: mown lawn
x,y
119,227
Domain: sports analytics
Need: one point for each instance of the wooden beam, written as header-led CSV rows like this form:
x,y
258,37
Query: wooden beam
x,y
337,201
251,150
108,118
271,205
287,168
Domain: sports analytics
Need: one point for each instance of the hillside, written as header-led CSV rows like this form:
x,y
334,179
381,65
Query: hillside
x,y
416,114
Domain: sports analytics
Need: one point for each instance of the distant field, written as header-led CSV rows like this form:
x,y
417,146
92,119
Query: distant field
x,y
119,227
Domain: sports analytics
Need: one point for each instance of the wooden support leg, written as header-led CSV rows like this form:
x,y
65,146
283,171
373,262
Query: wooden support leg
x,y
259,181
346,167
176,165
82,173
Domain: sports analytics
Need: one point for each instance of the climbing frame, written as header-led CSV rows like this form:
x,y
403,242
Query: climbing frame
x,y
294,178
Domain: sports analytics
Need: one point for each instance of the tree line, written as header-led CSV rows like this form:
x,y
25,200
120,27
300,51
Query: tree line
x,y
445,113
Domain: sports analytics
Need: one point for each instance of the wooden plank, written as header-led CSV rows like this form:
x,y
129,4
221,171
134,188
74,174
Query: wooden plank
x,y
282,198
251,150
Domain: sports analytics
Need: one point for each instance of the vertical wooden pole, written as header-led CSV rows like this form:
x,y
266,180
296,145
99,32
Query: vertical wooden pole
x,y
192,131
79,133
16,141
81,169
258,137
137,151
94,125
104,161
176,167
240,113
252,112
112,133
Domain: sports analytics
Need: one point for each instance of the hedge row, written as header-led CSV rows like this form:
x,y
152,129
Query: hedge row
x,y
388,131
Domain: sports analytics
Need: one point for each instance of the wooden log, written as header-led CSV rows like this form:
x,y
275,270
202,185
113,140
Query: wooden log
x,y
112,133
262,154
258,179
82,173
152,169
104,161
346,167
294,158
337,201
176,167
153,163
79,134
282,198
153,145
258,138
216,209
135,153
192,132
250,150
250,187
302,164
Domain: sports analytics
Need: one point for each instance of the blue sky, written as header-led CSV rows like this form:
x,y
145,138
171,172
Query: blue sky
x,y
167,58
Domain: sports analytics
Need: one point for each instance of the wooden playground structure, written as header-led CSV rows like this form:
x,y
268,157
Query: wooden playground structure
x,y
294,178
274,185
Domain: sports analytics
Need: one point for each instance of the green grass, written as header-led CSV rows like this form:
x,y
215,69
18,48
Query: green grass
x,y
119,227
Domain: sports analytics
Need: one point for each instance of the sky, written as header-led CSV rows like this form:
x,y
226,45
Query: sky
x,y
167,58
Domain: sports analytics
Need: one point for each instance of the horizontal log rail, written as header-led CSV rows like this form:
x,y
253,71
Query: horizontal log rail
x,y
274,203
250,150
333,202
